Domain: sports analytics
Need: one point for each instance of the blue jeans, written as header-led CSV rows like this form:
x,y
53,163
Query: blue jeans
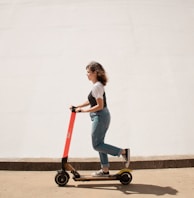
x,y
100,124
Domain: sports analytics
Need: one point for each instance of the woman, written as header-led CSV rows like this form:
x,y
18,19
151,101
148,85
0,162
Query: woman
x,y
100,117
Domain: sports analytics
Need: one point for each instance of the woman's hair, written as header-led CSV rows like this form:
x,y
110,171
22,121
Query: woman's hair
x,y
98,68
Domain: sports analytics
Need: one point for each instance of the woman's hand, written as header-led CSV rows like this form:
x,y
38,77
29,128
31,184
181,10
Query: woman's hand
x,y
78,109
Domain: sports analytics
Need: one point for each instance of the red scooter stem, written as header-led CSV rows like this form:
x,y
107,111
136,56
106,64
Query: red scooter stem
x,y
69,133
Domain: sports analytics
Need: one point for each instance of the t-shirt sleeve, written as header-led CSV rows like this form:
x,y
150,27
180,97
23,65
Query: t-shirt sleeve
x,y
98,91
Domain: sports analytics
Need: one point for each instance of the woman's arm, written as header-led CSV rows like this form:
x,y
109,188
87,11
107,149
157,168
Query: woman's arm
x,y
86,103
99,106
78,107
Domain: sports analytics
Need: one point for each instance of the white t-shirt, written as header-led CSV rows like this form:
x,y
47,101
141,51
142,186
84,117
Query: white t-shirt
x,y
98,90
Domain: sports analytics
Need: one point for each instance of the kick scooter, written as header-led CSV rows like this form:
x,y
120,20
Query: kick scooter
x,y
62,176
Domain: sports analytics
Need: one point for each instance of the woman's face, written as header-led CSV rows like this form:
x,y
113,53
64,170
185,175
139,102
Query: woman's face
x,y
91,75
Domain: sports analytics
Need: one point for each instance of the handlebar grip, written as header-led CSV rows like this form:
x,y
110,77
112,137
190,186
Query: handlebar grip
x,y
73,109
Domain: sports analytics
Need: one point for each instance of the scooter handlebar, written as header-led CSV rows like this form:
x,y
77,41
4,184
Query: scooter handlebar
x,y
73,108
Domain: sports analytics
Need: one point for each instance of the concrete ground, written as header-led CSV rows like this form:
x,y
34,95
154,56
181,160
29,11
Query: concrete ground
x,y
146,183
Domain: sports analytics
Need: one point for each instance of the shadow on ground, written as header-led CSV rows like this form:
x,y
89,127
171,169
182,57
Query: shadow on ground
x,y
133,188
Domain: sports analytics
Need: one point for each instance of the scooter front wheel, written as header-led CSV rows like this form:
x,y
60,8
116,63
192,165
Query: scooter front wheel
x,y
126,178
62,178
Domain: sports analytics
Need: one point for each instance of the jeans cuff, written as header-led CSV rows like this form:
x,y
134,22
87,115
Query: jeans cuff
x,y
120,153
105,165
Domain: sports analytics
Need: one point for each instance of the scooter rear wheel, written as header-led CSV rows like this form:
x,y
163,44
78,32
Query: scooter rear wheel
x,y
126,178
62,178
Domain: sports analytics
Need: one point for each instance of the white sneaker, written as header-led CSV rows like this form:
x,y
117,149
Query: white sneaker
x,y
100,173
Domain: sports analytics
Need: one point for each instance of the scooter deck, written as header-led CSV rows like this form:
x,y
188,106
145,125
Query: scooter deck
x,y
101,178
92,178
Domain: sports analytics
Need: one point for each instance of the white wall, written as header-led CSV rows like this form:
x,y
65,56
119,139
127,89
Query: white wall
x,y
147,48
